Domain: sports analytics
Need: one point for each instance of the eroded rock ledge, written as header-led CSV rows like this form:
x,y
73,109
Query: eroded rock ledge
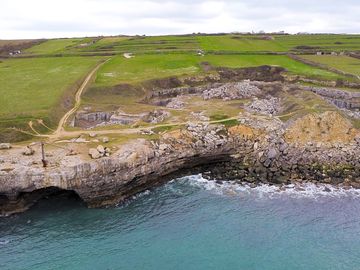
x,y
258,149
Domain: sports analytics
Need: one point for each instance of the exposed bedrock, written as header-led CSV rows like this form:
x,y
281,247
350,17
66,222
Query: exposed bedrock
x,y
196,85
262,150
340,98
95,119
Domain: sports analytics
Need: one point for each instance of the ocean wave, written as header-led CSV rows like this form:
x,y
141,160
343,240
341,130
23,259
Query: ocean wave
x,y
4,242
180,187
309,190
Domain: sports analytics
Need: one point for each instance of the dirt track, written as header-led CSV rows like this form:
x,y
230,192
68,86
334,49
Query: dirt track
x,y
60,128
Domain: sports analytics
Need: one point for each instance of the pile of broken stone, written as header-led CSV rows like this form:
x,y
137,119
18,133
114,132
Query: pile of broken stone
x,y
270,105
99,152
231,91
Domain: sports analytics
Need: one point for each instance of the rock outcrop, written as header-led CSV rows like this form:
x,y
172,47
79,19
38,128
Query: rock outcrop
x,y
255,150
98,119
346,101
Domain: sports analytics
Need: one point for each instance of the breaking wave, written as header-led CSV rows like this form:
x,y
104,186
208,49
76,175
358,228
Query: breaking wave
x,y
232,188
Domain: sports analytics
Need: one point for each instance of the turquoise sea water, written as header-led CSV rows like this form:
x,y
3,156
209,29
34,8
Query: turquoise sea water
x,y
190,224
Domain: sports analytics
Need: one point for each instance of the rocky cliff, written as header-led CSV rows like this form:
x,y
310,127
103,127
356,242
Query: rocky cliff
x,y
257,149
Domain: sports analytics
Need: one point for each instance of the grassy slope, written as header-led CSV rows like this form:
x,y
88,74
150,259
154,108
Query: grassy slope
x,y
343,63
238,44
223,43
53,46
294,67
324,42
145,67
144,44
120,70
110,40
281,43
32,88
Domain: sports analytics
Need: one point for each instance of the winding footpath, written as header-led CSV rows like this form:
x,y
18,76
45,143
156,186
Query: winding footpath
x,y
60,128
137,130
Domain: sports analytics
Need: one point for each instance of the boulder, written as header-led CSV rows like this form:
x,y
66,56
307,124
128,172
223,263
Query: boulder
x,y
100,149
272,153
28,151
94,153
267,163
4,146
105,139
92,134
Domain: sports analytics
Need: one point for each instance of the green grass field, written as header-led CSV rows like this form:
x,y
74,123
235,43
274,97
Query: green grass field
x,y
144,44
343,63
189,43
110,40
279,43
321,42
237,43
144,67
134,71
33,88
54,46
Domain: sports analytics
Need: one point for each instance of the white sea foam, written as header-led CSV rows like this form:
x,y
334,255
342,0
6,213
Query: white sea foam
x,y
4,242
139,195
308,190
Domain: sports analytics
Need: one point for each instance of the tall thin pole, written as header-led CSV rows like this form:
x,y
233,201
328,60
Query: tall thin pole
x,y
43,159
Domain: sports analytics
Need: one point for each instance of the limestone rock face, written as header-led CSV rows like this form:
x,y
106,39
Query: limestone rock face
x,y
255,150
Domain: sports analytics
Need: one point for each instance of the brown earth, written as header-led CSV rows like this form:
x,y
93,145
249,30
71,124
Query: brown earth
x,y
326,127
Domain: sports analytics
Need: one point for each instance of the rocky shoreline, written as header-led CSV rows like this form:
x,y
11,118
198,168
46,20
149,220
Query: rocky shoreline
x,y
256,150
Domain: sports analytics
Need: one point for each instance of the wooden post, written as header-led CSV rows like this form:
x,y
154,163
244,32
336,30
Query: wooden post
x,y
43,159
